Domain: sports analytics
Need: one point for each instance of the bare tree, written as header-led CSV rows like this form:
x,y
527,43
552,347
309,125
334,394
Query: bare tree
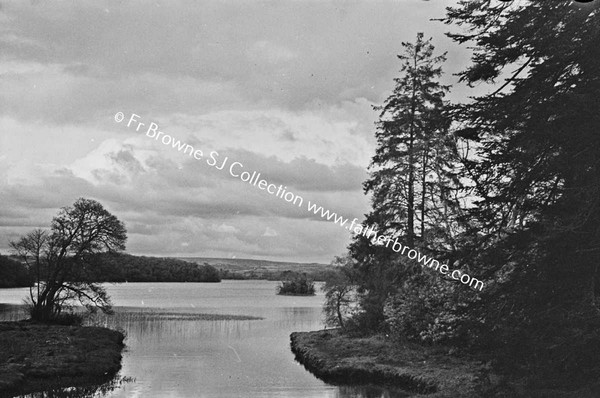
x,y
60,257
32,249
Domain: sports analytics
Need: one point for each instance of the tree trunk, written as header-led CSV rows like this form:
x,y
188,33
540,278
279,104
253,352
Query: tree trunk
x,y
423,190
411,163
340,296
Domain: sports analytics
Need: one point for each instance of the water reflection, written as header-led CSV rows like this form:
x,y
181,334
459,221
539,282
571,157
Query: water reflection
x,y
175,348
369,392
96,391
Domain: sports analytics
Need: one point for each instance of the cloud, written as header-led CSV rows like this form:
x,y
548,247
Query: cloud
x,y
286,90
297,55
213,212
264,51
337,134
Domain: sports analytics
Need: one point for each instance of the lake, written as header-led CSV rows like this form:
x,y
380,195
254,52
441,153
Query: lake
x,y
173,352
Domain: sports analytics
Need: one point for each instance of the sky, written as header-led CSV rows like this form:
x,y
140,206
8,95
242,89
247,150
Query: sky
x,y
285,88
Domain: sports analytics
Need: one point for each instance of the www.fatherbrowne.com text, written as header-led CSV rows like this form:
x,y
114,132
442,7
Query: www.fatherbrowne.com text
x,y
237,170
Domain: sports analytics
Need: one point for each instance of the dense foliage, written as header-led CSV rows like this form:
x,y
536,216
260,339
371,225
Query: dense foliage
x,y
414,185
536,228
13,273
528,158
121,267
296,284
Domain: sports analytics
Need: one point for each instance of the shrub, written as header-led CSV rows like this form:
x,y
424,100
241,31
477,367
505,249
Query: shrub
x,y
427,310
63,318
340,297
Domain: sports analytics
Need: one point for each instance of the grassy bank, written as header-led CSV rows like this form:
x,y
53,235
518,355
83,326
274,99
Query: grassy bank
x,y
424,371
36,357
421,370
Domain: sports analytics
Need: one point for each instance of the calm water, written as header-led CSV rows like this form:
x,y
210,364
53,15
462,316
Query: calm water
x,y
171,353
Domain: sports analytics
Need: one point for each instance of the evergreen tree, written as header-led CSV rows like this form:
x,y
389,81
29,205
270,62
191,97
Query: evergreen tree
x,y
412,144
412,177
537,174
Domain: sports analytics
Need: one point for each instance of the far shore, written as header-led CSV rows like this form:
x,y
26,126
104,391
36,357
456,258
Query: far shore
x,y
296,294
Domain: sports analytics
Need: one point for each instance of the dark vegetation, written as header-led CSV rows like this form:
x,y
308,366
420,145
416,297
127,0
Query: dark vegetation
x,y
413,369
41,357
121,267
59,259
14,274
376,360
295,284
118,267
505,187
340,294
52,350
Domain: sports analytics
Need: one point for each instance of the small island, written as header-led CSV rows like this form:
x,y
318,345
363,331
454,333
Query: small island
x,y
296,284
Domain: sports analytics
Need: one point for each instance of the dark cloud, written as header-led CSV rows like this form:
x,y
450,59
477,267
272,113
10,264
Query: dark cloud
x,y
179,56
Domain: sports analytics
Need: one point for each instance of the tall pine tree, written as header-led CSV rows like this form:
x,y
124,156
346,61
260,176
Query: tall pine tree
x,y
412,175
413,146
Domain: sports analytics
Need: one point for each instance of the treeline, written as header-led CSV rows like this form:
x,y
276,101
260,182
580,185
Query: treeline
x,y
116,267
13,273
120,267
269,275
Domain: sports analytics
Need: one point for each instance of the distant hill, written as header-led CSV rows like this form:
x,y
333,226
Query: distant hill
x,y
240,268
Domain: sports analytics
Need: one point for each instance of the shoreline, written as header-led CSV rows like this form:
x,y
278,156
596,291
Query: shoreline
x,y
40,357
339,359
297,294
